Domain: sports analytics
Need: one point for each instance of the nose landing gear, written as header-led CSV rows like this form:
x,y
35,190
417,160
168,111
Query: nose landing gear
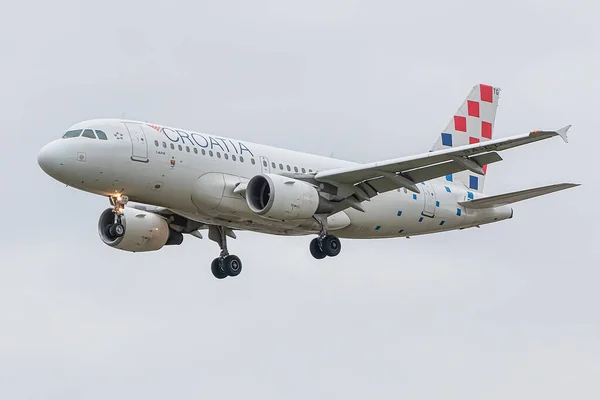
x,y
117,229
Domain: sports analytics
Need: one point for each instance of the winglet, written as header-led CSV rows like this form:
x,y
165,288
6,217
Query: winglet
x,y
563,133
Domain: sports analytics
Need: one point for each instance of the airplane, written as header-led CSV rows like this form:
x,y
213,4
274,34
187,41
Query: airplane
x,y
190,183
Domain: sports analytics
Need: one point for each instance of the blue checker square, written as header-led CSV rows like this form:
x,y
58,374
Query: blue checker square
x,y
399,213
442,223
473,182
458,212
448,189
470,195
437,203
421,219
449,178
414,196
447,139
378,227
401,230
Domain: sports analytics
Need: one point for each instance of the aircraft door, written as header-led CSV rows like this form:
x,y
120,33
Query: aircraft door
x,y
139,146
264,165
429,200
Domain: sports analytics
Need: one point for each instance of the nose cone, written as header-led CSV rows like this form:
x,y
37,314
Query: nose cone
x,y
49,159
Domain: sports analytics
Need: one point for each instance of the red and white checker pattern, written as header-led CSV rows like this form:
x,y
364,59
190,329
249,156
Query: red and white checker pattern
x,y
473,122
155,127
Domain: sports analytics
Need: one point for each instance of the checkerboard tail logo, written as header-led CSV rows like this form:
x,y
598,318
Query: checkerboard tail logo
x,y
155,127
472,123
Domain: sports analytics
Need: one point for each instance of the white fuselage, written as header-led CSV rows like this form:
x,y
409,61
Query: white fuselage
x,y
194,175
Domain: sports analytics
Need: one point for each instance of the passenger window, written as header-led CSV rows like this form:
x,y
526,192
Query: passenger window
x,y
187,148
164,145
101,135
203,152
264,163
233,157
156,143
179,147
72,134
272,165
88,133
218,154
172,146
295,169
288,168
195,150
241,159
226,156
281,167
210,153
303,171
252,161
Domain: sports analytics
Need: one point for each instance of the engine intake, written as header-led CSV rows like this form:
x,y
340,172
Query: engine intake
x,y
144,231
278,197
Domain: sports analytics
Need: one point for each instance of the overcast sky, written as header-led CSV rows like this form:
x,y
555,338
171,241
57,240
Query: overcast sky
x,y
508,311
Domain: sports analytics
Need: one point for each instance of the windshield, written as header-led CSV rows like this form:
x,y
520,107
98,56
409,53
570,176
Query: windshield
x,y
72,134
88,133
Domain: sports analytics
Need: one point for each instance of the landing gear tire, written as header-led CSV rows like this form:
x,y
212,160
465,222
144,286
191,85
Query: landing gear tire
x,y
116,230
232,265
315,249
331,246
217,270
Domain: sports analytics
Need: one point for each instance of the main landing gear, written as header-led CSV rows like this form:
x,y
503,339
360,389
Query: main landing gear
x,y
328,246
226,264
117,229
325,245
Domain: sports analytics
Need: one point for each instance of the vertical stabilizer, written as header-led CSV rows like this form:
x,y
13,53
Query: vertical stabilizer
x,y
472,123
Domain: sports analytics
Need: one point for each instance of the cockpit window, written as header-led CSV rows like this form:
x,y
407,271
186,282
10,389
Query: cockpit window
x,y
72,134
101,135
88,133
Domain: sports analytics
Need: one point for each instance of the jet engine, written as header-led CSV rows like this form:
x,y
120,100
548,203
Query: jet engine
x,y
278,197
144,231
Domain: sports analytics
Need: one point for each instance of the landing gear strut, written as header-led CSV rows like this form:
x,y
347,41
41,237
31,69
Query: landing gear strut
x,y
226,264
324,245
117,229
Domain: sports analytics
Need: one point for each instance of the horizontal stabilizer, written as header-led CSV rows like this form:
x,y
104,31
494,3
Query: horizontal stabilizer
x,y
508,198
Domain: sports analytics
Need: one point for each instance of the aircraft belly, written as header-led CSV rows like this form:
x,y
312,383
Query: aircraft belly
x,y
390,214
254,223
398,213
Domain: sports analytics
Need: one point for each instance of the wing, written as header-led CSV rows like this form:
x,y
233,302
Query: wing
x,y
176,221
184,224
357,184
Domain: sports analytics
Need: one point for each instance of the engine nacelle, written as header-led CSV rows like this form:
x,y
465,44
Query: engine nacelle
x,y
144,231
278,197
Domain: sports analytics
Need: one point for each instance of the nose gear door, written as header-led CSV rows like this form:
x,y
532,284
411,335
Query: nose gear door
x,y
139,145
